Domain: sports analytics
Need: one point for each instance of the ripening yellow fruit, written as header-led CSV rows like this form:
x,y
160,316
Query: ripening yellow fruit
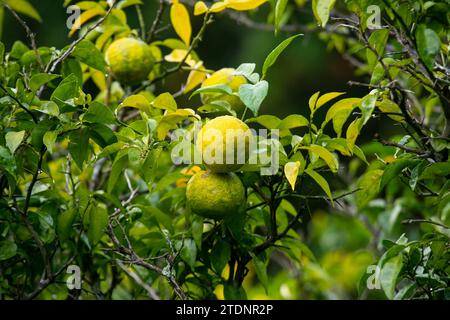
x,y
130,60
225,76
215,195
224,143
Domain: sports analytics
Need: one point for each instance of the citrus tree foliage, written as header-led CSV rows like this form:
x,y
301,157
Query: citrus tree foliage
x,y
87,179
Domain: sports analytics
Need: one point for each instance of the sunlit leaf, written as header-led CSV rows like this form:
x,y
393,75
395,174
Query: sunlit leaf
x,y
273,56
179,16
291,172
321,181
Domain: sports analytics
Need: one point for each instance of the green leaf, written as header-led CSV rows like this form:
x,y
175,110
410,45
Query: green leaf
x,y
137,101
14,139
353,132
67,89
293,121
325,98
8,249
261,270
369,184
99,113
165,101
87,52
197,230
324,154
230,292
360,154
389,107
50,108
72,66
395,168
273,56
98,220
389,274
377,41
252,95
377,74
220,254
267,121
322,10
7,161
65,221
280,8
245,69
438,169
291,170
24,7
40,79
367,106
18,50
428,44
415,174
117,169
339,112
189,252
127,3
312,101
321,181
79,146
49,140
217,88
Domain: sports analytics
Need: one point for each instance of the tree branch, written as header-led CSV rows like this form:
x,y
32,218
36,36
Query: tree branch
x,y
152,32
81,38
30,34
35,119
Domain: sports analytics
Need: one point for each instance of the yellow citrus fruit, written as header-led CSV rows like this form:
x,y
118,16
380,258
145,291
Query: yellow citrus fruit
x,y
131,60
224,144
225,76
215,195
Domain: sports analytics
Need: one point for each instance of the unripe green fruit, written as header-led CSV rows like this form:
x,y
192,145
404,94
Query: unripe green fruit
x,y
131,60
215,195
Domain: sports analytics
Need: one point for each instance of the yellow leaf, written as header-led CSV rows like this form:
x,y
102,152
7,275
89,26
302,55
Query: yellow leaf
x,y
181,22
219,6
200,8
195,77
170,120
99,79
243,5
85,16
327,97
135,101
353,132
326,156
291,172
178,55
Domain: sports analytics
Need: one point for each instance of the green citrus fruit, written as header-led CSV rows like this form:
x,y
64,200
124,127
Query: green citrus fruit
x,y
225,76
224,144
215,195
131,60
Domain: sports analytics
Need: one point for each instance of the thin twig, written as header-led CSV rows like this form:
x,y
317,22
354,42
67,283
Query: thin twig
x,y
45,283
35,119
137,278
81,38
409,221
30,34
151,33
